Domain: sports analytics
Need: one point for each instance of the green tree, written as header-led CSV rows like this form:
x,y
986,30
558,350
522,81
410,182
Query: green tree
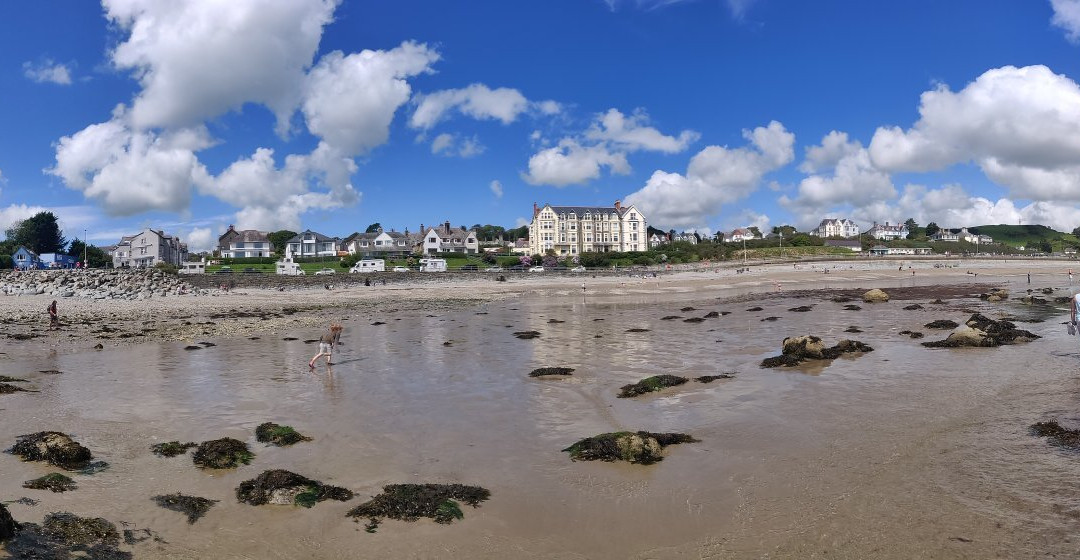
x,y
754,230
1076,232
40,233
373,228
933,228
914,231
1046,247
279,239
786,230
95,257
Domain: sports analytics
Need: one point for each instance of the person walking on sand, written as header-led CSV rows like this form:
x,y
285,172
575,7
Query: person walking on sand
x,y
326,345
54,317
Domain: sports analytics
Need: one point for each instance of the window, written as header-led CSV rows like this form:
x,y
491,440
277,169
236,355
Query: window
x,y
433,240
562,238
633,216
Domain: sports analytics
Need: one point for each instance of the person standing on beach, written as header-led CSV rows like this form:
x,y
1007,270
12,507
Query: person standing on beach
x,y
54,317
326,345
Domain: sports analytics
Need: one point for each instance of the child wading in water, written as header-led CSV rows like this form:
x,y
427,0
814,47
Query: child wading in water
x,y
326,345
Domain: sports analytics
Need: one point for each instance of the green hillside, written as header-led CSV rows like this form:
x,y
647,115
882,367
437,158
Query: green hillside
x,y
1026,235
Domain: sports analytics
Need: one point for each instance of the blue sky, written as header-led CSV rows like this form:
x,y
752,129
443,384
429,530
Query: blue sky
x,y
707,114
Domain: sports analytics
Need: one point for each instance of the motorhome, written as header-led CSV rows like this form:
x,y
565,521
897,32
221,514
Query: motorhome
x,y
369,265
288,267
432,265
193,268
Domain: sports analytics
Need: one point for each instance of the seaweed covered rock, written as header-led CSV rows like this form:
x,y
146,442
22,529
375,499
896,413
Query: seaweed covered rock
x,y
1057,434
527,335
798,349
540,372
912,307
996,295
801,309
172,448
224,453
192,506
284,487
65,535
650,384
711,378
912,334
942,324
982,331
274,434
409,502
55,482
54,448
7,389
8,526
6,379
712,315
694,320
852,308
643,448
875,296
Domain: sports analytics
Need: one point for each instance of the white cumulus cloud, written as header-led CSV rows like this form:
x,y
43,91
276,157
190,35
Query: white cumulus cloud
x,y
1020,125
570,163
496,188
842,175
196,60
716,176
350,100
477,101
47,71
1067,17
447,144
632,133
199,239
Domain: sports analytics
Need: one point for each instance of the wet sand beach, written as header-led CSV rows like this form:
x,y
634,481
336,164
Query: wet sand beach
x,y
903,452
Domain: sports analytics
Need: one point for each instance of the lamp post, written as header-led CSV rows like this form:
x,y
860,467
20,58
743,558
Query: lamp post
x,y
744,250
781,244
84,248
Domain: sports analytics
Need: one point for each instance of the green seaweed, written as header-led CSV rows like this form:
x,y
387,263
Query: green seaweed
x,y
269,432
633,447
650,384
224,453
193,506
409,502
172,448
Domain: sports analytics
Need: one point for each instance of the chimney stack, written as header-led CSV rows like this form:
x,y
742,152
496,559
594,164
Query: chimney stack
x,y
536,209
447,226
618,206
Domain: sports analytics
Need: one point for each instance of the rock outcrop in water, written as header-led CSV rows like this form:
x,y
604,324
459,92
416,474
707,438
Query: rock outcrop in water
x,y
97,284
875,296
409,502
541,372
1057,434
942,324
282,487
54,448
278,435
192,506
8,526
224,453
55,482
65,536
798,349
643,448
984,332
650,384
171,448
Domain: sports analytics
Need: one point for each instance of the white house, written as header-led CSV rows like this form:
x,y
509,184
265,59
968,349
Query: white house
x,y
311,244
446,239
691,238
944,235
148,248
739,234
974,238
244,243
830,227
572,230
888,232
380,244
656,240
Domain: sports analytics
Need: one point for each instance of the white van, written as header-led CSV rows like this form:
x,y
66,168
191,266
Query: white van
x,y
369,265
287,267
432,265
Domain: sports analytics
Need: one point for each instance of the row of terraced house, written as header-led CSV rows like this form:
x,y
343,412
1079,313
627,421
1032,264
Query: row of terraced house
x,y
380,243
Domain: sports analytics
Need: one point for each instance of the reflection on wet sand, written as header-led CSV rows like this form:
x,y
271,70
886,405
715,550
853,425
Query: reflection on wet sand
x,y
904,452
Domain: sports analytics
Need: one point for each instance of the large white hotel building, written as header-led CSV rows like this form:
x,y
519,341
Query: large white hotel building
x,y
572,230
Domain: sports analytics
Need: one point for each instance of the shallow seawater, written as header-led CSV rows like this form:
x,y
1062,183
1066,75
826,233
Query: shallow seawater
x,y
904,452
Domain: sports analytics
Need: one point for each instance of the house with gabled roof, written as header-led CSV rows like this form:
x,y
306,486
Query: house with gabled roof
x,y
447,239
380,244
311,244
242,243
572,230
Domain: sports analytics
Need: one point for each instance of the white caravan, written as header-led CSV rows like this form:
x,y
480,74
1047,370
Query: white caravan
x,y
369,265
432,265
288,267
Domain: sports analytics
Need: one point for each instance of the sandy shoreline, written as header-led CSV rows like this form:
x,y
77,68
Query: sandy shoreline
x,y
902,452
247,312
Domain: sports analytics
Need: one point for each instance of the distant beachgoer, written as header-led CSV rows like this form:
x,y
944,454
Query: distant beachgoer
x,y
54,317
1029,278
326,345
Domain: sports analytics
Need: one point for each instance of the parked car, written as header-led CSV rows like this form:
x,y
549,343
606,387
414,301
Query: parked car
x,y
325,271
469,268
401,269
578,269
224,270
493,269
517,268
536,269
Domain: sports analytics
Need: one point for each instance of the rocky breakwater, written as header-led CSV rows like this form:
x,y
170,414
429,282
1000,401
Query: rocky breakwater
x,y
96,284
